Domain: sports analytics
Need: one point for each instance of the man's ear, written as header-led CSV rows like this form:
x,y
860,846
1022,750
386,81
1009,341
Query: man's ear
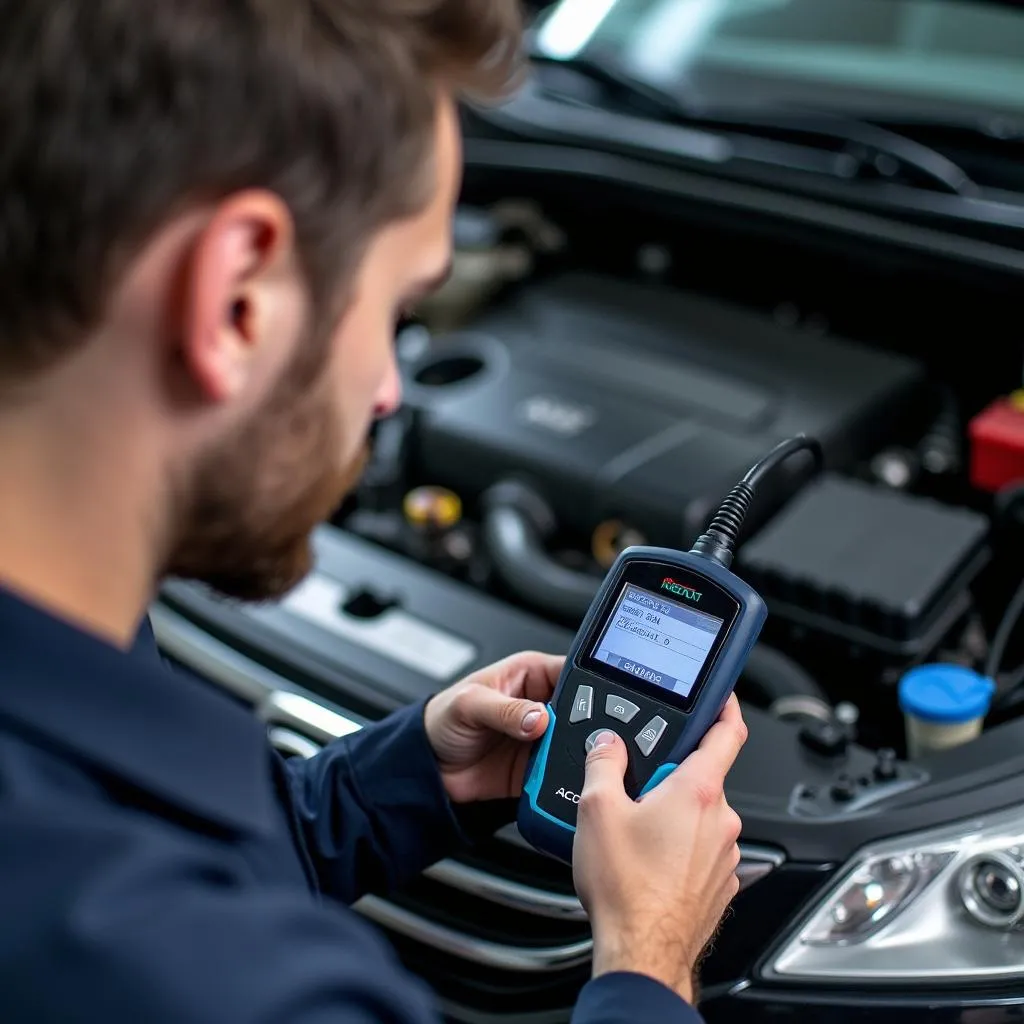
x,y
238,267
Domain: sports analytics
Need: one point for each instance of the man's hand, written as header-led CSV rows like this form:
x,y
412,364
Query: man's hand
x,y
481,729
657,875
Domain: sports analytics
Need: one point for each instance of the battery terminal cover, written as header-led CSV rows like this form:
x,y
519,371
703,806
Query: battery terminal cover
x,y
997,444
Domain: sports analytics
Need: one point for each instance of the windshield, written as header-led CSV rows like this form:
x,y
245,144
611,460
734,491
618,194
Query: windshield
x,y
901,56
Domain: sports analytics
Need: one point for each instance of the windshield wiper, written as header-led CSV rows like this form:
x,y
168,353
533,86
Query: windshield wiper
x,y
865,143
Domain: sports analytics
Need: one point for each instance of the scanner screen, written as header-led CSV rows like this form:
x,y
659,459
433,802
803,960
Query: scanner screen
x,y
660,641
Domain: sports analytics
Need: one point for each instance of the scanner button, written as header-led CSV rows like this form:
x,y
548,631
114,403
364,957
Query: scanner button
x,y
582,705
647,739
620,708
592,739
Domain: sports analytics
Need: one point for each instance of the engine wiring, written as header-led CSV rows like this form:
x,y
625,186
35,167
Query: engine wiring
x,y
1001,640
1008,503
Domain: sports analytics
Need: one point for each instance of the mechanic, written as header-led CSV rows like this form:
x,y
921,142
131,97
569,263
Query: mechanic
x,y
211,214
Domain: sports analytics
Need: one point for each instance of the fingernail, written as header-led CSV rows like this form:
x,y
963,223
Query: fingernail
x,y
605,739
530,720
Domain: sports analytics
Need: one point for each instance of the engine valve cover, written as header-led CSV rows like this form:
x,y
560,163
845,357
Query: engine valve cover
x,y
623,401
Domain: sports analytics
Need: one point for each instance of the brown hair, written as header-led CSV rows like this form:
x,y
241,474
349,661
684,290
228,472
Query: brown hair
x,y
116,113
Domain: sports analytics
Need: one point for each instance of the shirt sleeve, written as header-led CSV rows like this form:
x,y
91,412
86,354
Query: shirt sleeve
x,y
372,812
138,928
622,997
144,928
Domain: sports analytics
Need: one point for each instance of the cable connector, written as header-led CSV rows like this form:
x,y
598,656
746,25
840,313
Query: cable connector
x,y
719,541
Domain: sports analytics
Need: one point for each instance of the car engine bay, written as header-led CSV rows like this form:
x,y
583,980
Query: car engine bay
x,y
601,368
574,412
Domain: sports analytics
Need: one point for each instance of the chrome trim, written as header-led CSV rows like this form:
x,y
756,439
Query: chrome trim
x,y
755,864
467,947
493,888
525,898
320,723
770,855
273,696
510,834
756,861
750,872
292,744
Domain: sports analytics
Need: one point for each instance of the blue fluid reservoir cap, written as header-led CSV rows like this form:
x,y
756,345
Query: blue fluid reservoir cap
x,y
946,694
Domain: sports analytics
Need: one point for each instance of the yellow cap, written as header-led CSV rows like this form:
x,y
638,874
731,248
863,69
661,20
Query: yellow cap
x,y
1017,399
432,506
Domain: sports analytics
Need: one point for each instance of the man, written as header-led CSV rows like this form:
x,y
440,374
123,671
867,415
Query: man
x,y
211,214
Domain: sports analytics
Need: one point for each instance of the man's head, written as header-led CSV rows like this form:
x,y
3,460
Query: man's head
x,y
212,212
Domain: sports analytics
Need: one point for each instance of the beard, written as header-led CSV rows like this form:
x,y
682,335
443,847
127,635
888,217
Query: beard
x,y
254,502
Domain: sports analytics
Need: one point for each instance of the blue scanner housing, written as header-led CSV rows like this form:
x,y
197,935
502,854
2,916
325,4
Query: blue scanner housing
x,y
655,661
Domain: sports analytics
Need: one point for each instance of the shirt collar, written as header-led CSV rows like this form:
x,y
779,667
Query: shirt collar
x,y
130,714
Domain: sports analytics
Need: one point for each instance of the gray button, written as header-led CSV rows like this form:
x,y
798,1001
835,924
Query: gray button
x,y
582,704
620,708
648,737
592,739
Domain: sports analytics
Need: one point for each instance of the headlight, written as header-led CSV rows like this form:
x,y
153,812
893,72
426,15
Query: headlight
x,y
945,905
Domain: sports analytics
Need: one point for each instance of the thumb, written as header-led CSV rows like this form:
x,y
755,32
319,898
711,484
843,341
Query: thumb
x,y
606,763
510,716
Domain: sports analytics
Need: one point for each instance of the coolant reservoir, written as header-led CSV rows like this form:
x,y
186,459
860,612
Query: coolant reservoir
x,y
943,706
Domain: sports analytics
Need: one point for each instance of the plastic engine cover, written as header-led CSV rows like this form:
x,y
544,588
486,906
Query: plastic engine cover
x,y
623,401
878,569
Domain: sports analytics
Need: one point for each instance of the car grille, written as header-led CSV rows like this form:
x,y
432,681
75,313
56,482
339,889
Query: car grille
x,y
497,926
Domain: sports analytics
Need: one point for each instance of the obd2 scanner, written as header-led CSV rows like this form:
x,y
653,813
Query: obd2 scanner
x,y
655,660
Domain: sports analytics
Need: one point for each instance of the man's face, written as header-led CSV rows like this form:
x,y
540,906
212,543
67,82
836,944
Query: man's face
x,y
257,496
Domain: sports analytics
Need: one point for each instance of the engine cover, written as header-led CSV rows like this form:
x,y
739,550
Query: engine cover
x,y
623,401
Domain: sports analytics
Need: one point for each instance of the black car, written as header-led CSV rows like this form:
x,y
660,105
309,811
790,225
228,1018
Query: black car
x,y
700,227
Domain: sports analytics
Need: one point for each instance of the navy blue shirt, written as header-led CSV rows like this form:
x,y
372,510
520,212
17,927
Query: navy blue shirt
x,y
160,863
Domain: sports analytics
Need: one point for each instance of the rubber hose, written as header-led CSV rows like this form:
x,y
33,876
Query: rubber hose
x,y
775,675
516,522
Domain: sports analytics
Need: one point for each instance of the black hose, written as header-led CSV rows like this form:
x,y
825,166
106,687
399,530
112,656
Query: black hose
x,y
516,523
1011,618
775,675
